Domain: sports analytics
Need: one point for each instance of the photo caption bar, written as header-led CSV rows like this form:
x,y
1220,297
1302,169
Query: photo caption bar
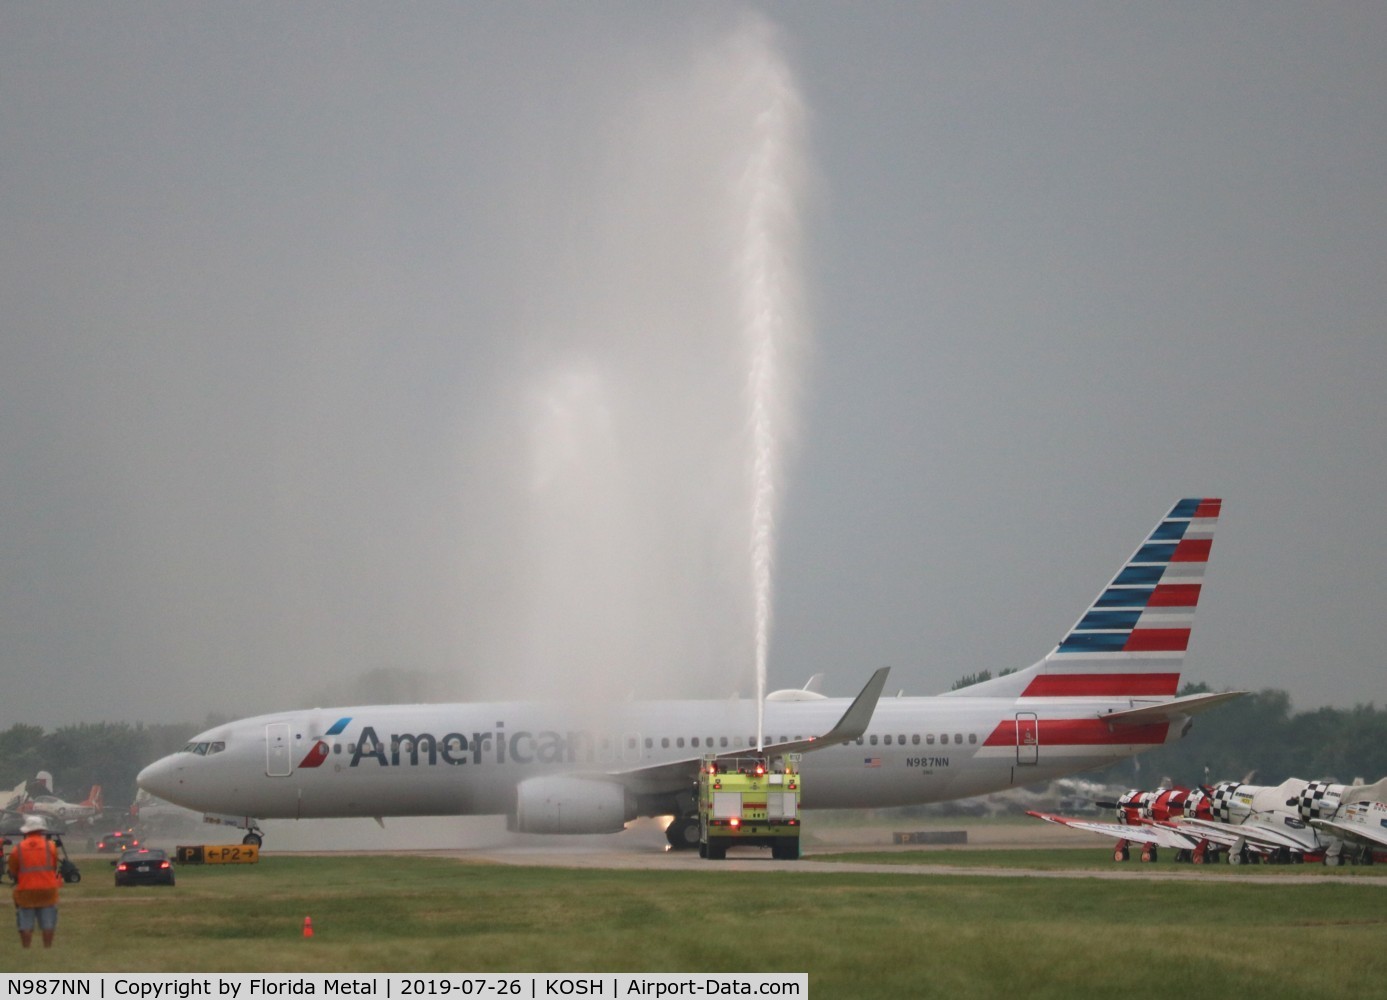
x,y
399,986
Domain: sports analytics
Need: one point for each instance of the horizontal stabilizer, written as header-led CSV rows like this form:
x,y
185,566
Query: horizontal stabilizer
x,y
1169,711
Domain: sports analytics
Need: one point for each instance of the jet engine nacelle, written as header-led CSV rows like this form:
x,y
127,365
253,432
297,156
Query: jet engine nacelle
x,y
559,804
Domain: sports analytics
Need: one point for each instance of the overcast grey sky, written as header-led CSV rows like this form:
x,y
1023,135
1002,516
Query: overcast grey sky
x,y
346,337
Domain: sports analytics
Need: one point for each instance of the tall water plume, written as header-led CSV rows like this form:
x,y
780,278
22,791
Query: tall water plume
x,y
770,193
662,350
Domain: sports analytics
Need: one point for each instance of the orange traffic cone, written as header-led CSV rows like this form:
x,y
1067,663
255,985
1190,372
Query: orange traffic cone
x,y
307,926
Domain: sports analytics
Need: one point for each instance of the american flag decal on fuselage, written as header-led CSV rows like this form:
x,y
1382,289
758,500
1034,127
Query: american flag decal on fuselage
x,y
1132,640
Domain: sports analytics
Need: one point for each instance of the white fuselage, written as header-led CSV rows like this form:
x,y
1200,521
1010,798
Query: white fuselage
x,y
468,759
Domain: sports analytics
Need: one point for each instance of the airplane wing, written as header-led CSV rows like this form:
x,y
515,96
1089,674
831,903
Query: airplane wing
x,y
1169,711
680,774
1161,836
1354,833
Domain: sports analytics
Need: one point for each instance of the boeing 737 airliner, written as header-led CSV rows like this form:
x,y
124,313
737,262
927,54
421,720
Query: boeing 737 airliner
x,y
1106,691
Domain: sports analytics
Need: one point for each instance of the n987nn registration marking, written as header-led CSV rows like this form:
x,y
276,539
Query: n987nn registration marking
x,y
927,762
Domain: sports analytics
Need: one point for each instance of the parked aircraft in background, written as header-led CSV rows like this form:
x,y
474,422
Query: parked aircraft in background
x,y
1068,795
10,816
1294,821
58,815
1105,692
1147,818
16,797
1360,824
150,815
1284,822
70,813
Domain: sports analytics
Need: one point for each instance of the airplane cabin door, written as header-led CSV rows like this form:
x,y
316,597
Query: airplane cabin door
x,y
277,760
1027,738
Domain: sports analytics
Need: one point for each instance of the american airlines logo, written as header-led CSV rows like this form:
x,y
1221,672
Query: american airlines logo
x,y
546,746
319,751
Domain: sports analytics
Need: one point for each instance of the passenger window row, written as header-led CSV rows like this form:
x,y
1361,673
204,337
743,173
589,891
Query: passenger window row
x,y
916,739
666,742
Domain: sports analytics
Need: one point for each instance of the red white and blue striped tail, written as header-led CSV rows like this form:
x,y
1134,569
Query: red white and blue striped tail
x,y
1132,640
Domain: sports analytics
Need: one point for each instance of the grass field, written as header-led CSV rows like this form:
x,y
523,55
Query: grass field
x,y
857,935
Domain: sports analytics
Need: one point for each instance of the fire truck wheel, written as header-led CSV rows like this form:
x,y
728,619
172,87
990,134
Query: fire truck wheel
x,y
786,849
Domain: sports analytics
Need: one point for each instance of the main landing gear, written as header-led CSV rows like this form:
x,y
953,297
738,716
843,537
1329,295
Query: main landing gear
x,y
682,833
1123,851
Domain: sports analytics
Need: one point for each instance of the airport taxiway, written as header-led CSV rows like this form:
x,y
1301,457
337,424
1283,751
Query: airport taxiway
x,y
644,849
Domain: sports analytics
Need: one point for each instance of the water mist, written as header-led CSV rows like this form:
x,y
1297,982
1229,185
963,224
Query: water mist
x,y
661,346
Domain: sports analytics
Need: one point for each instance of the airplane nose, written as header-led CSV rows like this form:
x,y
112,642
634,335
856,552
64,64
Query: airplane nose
x,y
160,778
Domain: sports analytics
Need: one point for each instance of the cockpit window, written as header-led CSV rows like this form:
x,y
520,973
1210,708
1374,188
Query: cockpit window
x,y
203,749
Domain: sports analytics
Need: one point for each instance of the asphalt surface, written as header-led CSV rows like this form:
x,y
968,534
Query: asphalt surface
x,y
644,848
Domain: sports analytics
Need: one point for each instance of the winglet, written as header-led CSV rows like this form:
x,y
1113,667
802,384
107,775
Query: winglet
x,y
852,725
676,775
859,714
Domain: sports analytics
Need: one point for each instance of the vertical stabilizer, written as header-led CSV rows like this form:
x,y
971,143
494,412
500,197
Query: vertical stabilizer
x,y
1132,640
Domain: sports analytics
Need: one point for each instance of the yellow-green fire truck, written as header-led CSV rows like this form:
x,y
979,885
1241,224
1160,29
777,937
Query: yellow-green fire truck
x,y
748,801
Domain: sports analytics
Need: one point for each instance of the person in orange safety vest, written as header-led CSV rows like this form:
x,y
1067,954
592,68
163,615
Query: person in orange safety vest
x,y
34,867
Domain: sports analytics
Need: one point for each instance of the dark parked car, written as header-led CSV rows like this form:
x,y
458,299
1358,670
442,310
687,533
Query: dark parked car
x,y
144,866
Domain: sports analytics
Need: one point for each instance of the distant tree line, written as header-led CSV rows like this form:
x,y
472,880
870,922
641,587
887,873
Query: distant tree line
x,y
968,680
104,753
1259,736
